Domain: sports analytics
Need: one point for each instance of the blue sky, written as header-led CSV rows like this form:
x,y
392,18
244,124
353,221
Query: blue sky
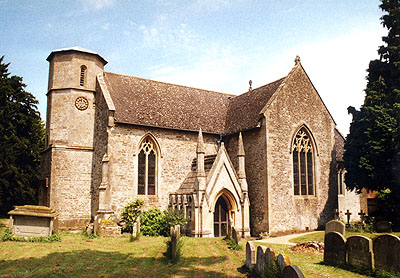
x,y
210,44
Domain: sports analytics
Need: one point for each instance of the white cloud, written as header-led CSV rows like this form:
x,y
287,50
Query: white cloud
x,y
213,5
97,4
165,35
106,26
337,68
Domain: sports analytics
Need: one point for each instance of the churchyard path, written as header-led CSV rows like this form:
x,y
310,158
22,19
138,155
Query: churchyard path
x,y
283,239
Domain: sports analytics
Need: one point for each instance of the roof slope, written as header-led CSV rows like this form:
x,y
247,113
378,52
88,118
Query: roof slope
x,y
152,103
244,110
147,102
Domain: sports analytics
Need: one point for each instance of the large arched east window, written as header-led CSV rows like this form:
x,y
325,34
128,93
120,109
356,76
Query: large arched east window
x,y
147,167
303,164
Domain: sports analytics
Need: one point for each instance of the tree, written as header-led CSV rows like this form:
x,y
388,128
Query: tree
x,y
21,140
372,148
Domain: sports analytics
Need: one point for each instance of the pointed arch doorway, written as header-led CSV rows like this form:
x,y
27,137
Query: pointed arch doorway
x,y
221,217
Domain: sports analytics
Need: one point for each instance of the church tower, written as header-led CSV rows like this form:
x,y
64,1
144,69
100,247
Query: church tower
x,y
67,160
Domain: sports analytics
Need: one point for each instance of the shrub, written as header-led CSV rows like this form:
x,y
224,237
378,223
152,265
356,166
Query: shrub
x,y
151,221
157,223
130,213
7,236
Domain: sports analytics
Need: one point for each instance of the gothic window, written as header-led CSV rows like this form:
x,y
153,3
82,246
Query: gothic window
x,y
147,168
82,77
303,166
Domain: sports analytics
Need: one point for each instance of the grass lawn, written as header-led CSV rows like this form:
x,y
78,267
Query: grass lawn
x,y
78,256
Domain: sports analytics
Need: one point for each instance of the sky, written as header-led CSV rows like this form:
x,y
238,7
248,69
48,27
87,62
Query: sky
x,y
215,45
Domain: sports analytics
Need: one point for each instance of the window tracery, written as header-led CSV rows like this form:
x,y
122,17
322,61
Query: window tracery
x,y
147,168
303,166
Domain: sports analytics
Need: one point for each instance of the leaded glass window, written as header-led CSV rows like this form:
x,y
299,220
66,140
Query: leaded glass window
x,y
303,166
147,168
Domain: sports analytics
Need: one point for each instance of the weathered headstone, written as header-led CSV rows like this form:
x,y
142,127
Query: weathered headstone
x,y
175,235
260,261
96,225
235,235
335,226
178,231
250,255
89,229
292,271
282,261
134,229
230,226
269,257
359,252
384,227
387,252
335,248
138,225
32,221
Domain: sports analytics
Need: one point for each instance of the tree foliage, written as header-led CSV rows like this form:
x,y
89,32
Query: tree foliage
x,y
372,148
21,140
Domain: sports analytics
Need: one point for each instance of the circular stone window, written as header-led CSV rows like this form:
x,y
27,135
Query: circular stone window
x,y
81,103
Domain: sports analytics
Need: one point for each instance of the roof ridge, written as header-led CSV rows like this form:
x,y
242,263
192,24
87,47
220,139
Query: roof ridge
x,y
173,84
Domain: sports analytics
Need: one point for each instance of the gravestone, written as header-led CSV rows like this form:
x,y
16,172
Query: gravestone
x,y
335,226
282,261
387,252
260,261
269,258
384,227
178,231
230,226
134,229
32,221
138,225
292,271
335,248
175,235
359,252
235,235
250,255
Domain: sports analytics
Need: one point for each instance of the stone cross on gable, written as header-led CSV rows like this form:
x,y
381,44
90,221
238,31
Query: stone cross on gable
x,y
362,215
348,213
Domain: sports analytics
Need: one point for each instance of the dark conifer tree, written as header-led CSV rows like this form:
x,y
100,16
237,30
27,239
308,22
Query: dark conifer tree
x,y
372,148
21,140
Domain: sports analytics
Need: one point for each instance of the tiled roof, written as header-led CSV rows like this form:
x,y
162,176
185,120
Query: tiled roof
x,y
152,103
244,110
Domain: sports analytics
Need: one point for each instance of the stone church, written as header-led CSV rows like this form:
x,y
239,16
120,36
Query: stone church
x,y
268,160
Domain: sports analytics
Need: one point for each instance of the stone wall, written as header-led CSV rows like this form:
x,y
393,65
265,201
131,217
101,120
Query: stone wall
x,y
70,194
178,149
256,173
69,136
100,146
298,104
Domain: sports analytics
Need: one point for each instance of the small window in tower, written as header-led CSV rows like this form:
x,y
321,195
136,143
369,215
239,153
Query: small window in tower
x,y
82,78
